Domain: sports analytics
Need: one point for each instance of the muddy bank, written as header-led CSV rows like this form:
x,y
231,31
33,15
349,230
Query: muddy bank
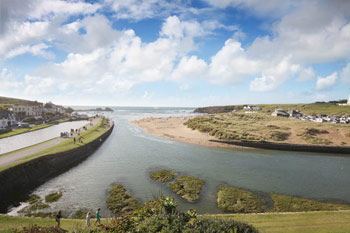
x,y
17,182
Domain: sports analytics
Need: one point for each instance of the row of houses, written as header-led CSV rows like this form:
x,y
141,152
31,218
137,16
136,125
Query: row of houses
x,y
318,118
13,116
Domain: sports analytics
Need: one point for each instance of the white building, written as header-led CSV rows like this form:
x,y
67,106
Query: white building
x,y
7,119
29,110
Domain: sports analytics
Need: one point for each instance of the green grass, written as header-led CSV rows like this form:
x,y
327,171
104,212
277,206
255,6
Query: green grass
x,y
285,203
235,200
187,187
162,175
320,222
53,197
120,201
87,136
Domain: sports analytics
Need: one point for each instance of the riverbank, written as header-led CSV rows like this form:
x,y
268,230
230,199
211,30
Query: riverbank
x,y
19,178
238,130
300,222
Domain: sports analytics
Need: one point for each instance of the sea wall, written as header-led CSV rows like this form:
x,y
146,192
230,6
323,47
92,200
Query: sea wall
x,y
18,181
289,147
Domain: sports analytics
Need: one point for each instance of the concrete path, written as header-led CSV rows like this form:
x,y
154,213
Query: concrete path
x,y
10,158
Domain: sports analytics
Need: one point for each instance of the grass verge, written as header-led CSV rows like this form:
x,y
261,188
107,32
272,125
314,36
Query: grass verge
x,y
53,197
162,175
188,187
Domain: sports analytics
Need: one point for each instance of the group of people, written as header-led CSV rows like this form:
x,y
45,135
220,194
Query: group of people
x,y
88,218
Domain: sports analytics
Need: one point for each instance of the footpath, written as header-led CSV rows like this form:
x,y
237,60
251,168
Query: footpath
x,y
16,156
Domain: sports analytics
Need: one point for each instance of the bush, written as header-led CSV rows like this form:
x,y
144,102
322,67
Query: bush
x,y
163,175
30,120
188,187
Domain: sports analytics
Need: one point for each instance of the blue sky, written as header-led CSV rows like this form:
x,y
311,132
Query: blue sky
x,y
175,53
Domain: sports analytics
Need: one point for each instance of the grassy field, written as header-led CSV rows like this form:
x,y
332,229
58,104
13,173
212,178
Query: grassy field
x,y
87,136
162,175
262,127
309,109
321,222
187,187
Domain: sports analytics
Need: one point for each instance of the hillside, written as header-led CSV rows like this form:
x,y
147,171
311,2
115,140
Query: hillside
x,y
329,108
6,102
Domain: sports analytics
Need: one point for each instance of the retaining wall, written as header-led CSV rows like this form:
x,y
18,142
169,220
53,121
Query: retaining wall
x,y
290,147
17,182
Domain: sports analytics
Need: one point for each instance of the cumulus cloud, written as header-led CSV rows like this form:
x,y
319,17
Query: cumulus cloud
x,y
306,74
326,82
189,68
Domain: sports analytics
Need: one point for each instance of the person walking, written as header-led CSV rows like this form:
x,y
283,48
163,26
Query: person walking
x,y
88,217
98,216
58,219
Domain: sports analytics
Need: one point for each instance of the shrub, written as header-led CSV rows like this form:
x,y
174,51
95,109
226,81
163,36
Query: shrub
x,y
30,120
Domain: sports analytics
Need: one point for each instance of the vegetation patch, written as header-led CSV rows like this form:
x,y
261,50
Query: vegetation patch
x,y
53,197
120,202
188,187
162,175
284,203
279,136
235,200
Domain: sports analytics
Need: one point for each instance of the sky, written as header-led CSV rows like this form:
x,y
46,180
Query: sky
x,y
175,53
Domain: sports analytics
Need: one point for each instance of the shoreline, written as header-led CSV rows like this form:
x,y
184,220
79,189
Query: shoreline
x,y
173,128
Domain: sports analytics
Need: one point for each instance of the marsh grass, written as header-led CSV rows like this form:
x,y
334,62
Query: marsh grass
x,y
285,203
162,175
187,187
120,201
53,197
235,200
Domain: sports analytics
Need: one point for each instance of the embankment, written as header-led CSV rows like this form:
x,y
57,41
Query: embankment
x,y
288,147
17,182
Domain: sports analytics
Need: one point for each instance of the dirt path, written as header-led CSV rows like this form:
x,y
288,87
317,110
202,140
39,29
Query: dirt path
x,y
10,158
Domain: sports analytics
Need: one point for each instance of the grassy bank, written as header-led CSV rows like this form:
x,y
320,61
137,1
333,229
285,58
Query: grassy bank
x,y
187,187
321,222
34,128
262,127
162,175
87,136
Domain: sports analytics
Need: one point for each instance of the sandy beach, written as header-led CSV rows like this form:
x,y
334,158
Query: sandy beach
x,y
174,128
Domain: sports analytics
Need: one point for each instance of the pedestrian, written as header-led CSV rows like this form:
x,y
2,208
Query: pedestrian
x,y
58,219
74,140
98,216
88,217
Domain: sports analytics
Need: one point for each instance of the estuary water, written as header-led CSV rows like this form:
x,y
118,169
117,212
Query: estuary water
x,y
129,154
28,139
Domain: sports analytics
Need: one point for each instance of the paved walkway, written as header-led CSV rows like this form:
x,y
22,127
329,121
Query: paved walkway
x,y
7,160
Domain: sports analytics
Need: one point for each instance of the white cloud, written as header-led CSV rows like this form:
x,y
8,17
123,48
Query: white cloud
x,y
36,50
345,74
231,64
8,82
326,82
190,68
306,74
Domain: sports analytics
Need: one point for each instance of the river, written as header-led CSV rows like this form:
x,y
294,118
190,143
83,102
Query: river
x,y
28,139
129,154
